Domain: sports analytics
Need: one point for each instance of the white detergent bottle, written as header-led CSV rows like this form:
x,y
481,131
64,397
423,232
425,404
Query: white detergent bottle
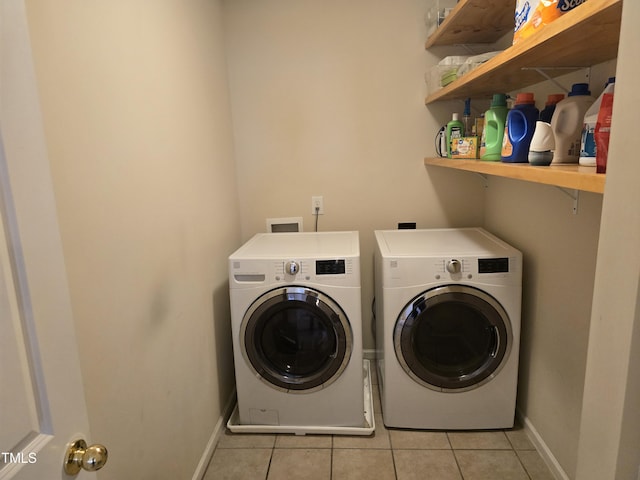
x,y
588,142
567,122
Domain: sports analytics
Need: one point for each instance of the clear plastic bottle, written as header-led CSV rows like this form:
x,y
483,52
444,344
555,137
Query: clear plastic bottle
x,y
466,118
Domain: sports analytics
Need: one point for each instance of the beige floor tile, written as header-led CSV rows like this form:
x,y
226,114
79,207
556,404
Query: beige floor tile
x,y
490,465
304,441
236,463
519,439
479,440
356,464
416,454
534,465
245,440
418,439
379,439
426,465
301,464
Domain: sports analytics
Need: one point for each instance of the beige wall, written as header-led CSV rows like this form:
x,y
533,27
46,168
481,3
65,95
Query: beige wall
x,y
610,415
137,122
328,99
559,251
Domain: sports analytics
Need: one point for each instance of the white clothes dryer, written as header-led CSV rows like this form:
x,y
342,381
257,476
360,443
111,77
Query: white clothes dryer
x,y
297,329
447,310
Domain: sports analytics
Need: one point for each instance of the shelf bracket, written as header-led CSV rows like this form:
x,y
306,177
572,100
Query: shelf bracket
x,y
574,195
541,71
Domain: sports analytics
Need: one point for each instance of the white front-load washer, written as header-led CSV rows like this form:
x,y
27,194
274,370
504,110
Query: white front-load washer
x,y
297,329
448,307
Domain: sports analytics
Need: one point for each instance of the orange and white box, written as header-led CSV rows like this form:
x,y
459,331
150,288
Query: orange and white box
x,y
532,15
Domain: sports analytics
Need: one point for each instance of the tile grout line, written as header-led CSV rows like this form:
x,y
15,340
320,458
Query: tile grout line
x,y
455,457
524,467
393,456
513,448
273,447
331,462
393,461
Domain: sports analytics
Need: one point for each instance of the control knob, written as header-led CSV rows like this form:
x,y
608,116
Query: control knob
x,y
454,266
292,267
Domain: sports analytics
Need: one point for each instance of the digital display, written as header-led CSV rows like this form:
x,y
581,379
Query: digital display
x,y
493,265
330,267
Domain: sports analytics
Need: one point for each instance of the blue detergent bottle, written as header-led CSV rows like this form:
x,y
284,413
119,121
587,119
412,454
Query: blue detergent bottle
x,y
521,123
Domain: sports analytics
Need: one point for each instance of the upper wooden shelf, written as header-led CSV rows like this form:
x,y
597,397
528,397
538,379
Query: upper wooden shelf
x,y
585,36
575,177
475,21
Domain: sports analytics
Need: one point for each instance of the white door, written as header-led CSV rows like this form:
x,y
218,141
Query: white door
x,y
42,404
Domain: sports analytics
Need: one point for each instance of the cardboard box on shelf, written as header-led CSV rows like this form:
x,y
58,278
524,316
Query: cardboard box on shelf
x,y
533,15
465,147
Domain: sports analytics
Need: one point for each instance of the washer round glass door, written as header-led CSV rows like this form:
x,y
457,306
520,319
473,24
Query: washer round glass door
x,y
296,339
453,338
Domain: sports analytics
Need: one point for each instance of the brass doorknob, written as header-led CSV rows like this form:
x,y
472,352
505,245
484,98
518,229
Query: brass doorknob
x,y
80,456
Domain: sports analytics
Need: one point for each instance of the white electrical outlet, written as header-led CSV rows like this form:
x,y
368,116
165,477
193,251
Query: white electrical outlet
x,y
317,203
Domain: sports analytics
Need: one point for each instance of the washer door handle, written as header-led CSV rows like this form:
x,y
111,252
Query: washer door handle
x,y
496,343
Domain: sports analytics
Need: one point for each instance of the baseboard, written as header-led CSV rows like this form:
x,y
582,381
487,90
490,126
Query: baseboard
x,y
201,469
542,448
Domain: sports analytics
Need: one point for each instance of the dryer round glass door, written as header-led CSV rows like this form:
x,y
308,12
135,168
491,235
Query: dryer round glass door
x,y
296,339
453,338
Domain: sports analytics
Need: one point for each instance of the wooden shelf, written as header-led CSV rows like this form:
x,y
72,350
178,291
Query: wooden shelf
x,y
475,21
575,177
585,36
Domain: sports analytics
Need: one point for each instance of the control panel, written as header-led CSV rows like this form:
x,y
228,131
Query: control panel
x,y
467,268
303,269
